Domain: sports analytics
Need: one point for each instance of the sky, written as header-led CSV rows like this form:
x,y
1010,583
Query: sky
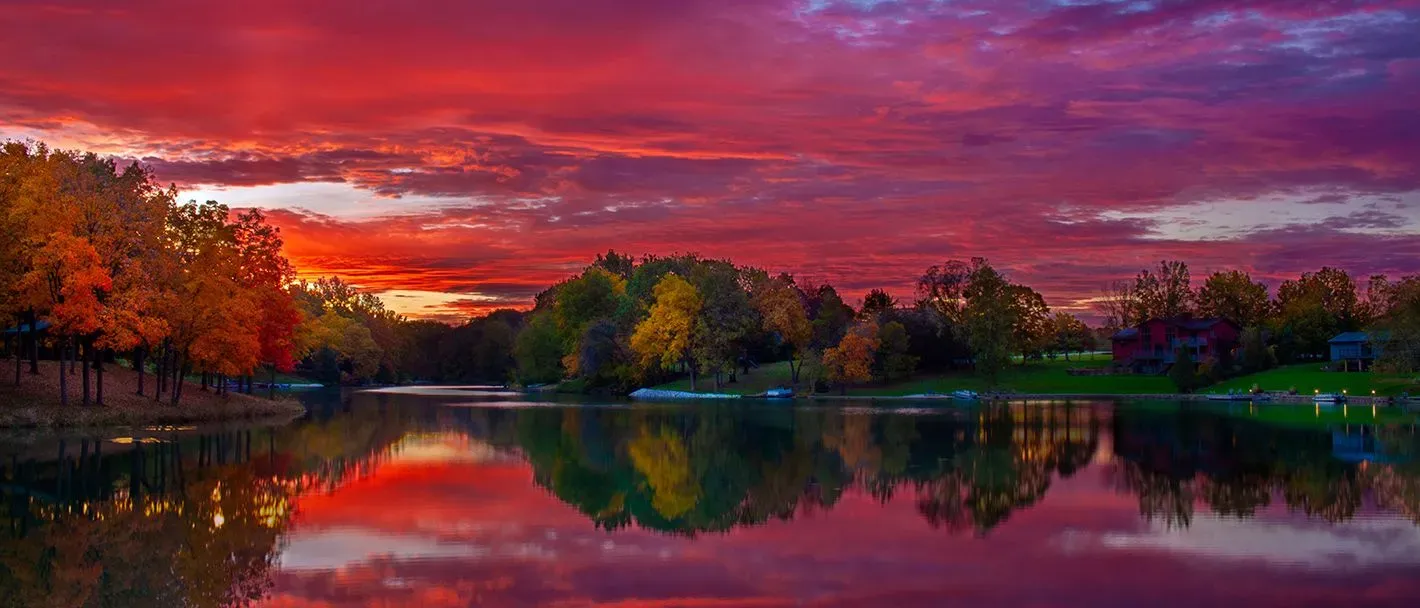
x,y
458,156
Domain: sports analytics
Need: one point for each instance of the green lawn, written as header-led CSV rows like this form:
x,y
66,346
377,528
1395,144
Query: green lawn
x,y
1051,377
760,379
1309,377
1035,377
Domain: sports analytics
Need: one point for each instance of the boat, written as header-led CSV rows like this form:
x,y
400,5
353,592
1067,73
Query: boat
x,y
1329,398
1233,396
779,393
965,395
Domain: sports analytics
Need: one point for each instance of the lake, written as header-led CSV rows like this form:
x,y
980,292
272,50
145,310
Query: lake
x,y
455,497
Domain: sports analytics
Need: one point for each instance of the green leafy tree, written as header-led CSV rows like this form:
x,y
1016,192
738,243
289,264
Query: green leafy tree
x,y
894,359
1184,372
538,350
1164,291
1234,295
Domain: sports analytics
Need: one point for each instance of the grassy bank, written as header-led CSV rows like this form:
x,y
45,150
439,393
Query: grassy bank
x,y
1053,377
1307,378
35,403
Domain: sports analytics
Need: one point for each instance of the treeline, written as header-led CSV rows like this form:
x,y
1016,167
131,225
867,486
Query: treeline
x,y
1294,324
99,263
624,322
114,264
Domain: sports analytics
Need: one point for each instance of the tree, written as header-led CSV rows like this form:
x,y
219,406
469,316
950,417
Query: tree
x,y
538,350
1184,373
1068,334
893,359
1120,307
851,360
725,319
668,334
1031,325
1316,307
783,314
831,317
877,304
1164,291
1233,295
1397,329
989,319
1256,355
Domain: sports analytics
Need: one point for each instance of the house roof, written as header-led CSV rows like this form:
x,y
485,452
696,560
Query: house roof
x,y
1127,333
1357,336
25,328
1193,323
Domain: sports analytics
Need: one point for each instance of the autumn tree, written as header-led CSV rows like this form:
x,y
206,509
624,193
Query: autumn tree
x,y
667,335
1234,295
851,360
725,320
784,315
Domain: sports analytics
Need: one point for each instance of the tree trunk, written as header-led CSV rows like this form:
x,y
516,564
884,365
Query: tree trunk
x,y
84,363
691,366
160,378
98,376
794,371
34,344
139,367
204,381
177,378
63,377
19,350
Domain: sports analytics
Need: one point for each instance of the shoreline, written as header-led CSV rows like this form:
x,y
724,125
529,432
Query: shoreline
x,y
989,397
34,404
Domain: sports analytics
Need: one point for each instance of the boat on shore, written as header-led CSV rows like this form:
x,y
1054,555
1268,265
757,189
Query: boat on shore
x,y
1324,398
1237,396
965,395
779,393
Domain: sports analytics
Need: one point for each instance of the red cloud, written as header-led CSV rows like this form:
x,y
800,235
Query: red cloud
x,y
845,141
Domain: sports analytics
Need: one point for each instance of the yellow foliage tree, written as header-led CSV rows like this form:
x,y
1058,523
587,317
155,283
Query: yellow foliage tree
x,y
668,333
784,314
852,359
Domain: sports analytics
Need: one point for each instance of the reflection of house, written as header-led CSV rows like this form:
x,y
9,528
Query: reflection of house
x,y
1354,350
1153,346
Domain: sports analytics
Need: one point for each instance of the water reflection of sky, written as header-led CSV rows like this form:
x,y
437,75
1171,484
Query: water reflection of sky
x,y
453,522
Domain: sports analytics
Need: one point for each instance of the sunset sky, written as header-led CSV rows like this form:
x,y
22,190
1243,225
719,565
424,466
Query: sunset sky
x,y
457,156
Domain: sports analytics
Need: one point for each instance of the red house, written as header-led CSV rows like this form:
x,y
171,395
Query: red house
x,y
1152,347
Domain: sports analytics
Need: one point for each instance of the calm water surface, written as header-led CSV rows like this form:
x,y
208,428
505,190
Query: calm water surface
x,y
466,498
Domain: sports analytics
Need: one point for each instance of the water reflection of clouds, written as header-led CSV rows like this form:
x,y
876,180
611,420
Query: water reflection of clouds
x,y
1358,543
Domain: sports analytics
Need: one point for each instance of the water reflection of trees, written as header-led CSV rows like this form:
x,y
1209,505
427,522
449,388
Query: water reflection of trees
x,y
167,519
1175,461
706,470
693,471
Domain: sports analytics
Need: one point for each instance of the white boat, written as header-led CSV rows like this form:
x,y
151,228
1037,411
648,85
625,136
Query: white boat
x,y
779,393
1329,398
1231,396
965,395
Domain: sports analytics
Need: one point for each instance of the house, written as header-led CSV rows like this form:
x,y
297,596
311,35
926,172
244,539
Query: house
x,y
1355,349
1152,346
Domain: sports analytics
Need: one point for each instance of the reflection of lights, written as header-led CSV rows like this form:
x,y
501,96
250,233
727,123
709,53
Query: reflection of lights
x,y
218,520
